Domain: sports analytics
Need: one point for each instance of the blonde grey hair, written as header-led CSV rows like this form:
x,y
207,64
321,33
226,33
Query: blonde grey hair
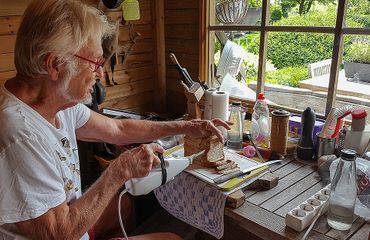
x,y
61,27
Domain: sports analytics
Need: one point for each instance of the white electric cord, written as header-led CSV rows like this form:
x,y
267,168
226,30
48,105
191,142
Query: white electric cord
x,y
119,213
318,214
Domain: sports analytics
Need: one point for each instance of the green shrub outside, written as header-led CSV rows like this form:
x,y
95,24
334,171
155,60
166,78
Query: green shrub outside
x,y
359,52
289,76
276,13
299,49
359,11
362,19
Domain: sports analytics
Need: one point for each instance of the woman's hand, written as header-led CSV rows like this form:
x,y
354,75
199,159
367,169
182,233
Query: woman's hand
x,y
204,128
138,162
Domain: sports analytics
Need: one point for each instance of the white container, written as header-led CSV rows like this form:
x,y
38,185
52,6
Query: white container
x,y
357,140
301,216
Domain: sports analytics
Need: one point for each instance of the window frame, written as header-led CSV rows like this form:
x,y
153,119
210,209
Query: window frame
x,y
208,27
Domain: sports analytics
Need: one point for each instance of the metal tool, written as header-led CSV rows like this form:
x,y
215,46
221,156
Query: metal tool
x,y
169,168
224,178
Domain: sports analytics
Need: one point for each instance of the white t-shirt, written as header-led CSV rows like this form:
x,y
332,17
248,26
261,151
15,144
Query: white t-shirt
x,y
39,164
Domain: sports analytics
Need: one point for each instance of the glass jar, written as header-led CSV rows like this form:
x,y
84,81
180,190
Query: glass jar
x,y
235,134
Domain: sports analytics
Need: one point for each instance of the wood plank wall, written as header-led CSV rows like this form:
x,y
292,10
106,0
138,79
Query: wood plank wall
x,y
135,89
135,79
182,39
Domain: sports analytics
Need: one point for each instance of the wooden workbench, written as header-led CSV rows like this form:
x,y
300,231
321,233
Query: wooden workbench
x,y
262,216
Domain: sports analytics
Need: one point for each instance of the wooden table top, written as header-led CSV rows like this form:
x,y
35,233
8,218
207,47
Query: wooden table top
x,y
263,213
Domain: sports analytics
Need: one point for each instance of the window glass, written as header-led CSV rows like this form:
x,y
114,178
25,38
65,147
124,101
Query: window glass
x,y
298,63
234,62
299,76
303,13
237,12
358,13
354,81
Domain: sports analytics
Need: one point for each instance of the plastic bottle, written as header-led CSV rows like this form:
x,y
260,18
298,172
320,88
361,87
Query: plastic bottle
x,y
235,134
261,122
343,192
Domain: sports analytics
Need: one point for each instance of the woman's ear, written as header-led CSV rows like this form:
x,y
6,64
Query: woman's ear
x,y
52,67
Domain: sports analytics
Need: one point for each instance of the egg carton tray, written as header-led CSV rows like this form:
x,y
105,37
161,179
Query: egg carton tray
x,y
302,216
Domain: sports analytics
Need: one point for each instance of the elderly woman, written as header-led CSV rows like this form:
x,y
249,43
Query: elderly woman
x,y
58,56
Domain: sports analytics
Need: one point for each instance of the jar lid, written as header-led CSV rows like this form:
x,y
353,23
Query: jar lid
x,y
280,113
359,113
348,154
236,103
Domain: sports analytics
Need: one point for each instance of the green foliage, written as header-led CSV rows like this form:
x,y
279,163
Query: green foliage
x,y
276,13
304,6
251,70
255,3
359,52
358,7
289,76
253,43
362,19
299,49
217,45
359,11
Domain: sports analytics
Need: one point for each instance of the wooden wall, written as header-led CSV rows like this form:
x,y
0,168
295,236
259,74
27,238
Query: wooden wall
x,y
137,77
182,39
139,81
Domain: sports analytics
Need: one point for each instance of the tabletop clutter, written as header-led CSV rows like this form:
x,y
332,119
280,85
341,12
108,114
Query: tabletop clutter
x,y
315,141
331,145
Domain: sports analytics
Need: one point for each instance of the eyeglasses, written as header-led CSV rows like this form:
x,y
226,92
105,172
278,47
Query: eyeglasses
x,y
98,63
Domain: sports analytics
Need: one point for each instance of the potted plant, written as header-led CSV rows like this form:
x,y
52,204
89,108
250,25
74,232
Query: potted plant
x,y
357,64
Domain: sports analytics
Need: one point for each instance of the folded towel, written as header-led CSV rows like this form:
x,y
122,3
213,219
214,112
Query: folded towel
x,y
194,202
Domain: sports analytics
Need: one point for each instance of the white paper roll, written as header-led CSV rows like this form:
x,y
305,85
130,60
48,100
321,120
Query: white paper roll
x,y
208,104
220,105
220,108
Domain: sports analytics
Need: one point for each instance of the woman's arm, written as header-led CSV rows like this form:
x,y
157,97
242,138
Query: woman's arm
x,y
71,221
127,131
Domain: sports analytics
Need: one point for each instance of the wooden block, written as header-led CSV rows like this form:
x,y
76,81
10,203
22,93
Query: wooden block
x,y
236,199
266,181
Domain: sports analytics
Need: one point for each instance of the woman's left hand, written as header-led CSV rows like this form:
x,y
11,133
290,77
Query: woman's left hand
x,y
204,128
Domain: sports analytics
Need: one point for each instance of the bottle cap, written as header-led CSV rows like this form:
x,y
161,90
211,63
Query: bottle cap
x,y
236,103
348,154
358,113
261,96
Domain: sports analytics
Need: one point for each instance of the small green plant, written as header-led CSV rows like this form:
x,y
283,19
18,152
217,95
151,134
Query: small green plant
x,y
289,76
359,52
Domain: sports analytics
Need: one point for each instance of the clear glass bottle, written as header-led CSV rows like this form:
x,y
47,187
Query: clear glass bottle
x,y
343,192
235,134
